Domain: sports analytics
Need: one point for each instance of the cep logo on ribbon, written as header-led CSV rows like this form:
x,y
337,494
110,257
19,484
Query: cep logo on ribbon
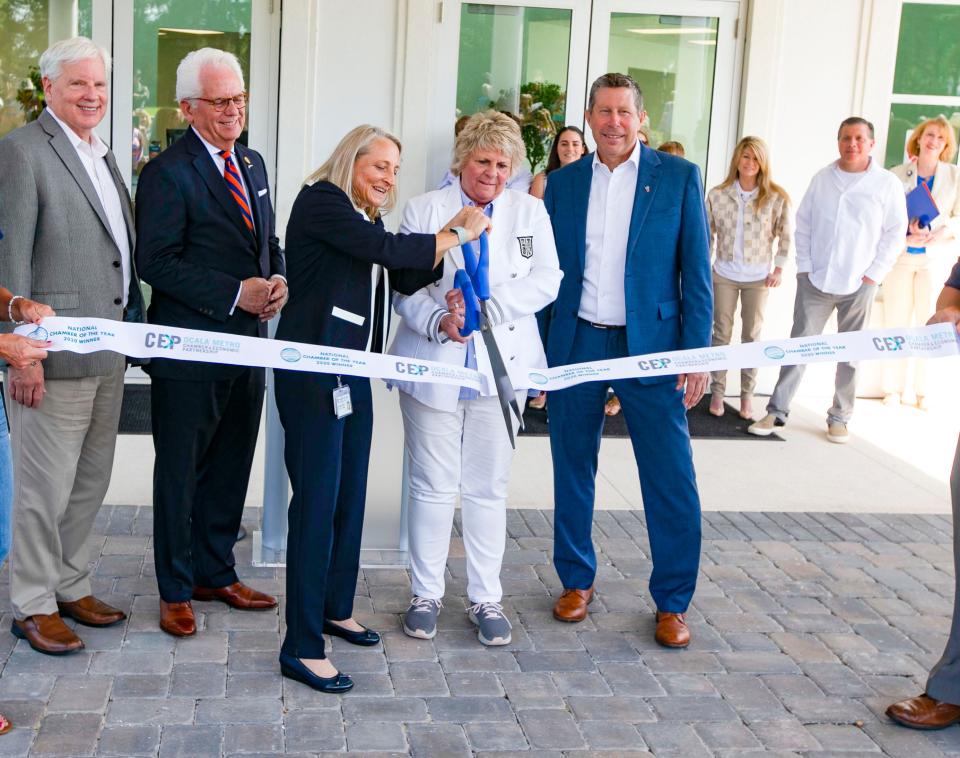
x,y
653,364
39,334
889,344
164,341
537,378
412,369
775,353
290,354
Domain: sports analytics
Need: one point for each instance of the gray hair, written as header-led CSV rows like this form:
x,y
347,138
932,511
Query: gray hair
x,y
188,72
615,81
489,130
71,50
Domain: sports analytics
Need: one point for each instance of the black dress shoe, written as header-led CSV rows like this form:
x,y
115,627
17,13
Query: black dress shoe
x,y
294,668
366,638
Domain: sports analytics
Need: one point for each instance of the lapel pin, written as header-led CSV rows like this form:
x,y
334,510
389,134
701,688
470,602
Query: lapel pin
x,y
247,161
646,188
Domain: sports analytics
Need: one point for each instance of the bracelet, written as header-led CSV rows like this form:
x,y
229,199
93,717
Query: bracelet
x,y
10,309
461,233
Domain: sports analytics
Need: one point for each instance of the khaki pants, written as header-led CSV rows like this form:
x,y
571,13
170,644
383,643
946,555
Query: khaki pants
x,y
62,460
908,300
753,299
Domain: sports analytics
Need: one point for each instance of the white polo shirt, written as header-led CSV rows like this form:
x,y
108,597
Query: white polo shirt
x,y
602,300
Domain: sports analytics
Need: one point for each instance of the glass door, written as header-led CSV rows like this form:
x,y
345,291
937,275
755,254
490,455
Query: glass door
x,y
150,40
527,58
27,28
682,53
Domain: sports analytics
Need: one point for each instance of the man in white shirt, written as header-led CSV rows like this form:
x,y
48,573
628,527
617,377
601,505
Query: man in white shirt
x,y
632,240
69,236
851,226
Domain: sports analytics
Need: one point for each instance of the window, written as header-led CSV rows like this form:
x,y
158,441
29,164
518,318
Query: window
x,y
515,59
27,28
927,77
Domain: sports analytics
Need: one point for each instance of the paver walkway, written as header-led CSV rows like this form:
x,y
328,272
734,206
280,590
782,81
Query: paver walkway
x,y
805,627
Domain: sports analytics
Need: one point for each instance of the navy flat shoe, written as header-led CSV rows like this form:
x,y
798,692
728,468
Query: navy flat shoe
x,y
366,638
294,668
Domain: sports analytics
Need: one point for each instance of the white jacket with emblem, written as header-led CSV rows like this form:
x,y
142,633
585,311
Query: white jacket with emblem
x,y
524,278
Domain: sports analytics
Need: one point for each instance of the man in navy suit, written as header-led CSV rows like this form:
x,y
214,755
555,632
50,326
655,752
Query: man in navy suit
x,y
632,238
206,244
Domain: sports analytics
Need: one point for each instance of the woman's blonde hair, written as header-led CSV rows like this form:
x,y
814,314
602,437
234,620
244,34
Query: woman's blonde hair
x,y
489,130
338,168
767,187
949,149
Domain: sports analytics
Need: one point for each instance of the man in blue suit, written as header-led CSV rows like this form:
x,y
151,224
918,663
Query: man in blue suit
x,y
632,238
207,246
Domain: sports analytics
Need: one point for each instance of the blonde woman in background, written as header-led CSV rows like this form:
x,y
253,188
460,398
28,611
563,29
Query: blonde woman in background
x,y
908,290
748,213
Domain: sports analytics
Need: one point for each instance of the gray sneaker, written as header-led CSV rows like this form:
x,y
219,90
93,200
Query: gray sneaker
x,y
765,426
493,626
420,620
837,432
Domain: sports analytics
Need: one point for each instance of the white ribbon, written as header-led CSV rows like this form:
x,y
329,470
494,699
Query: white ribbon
x,y
88,335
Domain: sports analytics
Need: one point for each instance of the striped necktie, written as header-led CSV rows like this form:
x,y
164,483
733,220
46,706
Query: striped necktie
x,y
232,177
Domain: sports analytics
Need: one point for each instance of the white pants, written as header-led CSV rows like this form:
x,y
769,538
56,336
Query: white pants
x,y
908,300
465,452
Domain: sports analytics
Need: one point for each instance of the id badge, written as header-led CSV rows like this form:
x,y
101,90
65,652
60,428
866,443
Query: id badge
x,y
342,405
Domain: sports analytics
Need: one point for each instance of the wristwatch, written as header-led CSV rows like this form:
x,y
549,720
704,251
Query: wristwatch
x,y
461,233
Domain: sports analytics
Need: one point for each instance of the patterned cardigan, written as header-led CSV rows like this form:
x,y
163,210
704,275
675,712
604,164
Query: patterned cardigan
x,y
760,229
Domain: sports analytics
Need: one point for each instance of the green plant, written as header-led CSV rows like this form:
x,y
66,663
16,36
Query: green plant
x,y
31,98
542,104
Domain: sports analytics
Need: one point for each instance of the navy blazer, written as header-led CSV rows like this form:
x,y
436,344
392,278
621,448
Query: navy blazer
x,y
668,286
194,249
331,249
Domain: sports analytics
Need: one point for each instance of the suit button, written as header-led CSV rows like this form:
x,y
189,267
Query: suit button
x,y
513,276
512,327
116,264
117,301
513,357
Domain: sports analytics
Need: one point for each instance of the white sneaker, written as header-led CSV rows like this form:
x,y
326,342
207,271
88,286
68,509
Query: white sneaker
x,y
764,427
837,432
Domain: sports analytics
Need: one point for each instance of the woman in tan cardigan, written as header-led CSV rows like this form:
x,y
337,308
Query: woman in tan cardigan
x,y
748,213
909,288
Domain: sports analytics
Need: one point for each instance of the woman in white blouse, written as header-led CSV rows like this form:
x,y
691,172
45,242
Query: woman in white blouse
x,y
749,213
909,289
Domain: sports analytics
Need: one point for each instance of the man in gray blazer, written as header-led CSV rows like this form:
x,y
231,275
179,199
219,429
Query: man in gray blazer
x,y
69,235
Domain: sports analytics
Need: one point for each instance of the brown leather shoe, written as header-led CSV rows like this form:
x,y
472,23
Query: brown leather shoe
x,y
90,611
923,712
572,605
237,595
47,634
177,618
672,630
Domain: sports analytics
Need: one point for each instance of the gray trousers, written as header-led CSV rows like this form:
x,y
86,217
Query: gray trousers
x,y
62,461
811,310
944,681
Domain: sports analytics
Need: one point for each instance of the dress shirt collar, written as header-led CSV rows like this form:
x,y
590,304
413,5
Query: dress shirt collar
x,y
634,159
487,209
871,168
96,145
213,149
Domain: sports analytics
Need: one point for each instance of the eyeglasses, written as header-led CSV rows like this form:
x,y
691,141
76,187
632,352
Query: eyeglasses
x,y
221,103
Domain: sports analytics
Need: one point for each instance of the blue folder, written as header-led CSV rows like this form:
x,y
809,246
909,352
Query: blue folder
x,y
920,205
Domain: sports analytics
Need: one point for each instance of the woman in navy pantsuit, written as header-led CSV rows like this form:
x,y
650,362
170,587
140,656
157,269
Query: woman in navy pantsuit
x,y
341,266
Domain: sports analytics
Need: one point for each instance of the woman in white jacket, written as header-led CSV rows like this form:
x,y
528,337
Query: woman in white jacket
x,y
910,287
456,443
